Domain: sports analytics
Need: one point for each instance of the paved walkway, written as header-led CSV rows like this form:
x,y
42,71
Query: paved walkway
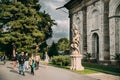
x,y
103,76
44,73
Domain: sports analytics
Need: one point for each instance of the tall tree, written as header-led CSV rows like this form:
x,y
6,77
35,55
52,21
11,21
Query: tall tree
x,y
53,50
21,23
63,44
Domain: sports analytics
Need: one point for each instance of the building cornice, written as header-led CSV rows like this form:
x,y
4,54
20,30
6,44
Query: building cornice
x,y
79,3
72,3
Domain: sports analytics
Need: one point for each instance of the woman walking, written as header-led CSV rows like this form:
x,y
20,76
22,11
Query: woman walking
x,y
26,61
46,59
4,58
32,63
37,59
14,58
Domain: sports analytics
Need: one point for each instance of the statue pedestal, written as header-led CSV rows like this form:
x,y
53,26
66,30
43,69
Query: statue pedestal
x,y
76,62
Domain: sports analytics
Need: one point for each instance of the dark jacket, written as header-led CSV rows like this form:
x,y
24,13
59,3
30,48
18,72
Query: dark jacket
x,y
21,59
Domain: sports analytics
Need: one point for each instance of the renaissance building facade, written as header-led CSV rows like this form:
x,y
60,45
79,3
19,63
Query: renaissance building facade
x,y
98,22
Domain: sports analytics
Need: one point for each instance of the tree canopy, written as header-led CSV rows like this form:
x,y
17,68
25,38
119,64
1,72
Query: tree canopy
x,y
53,50
63,44
22,23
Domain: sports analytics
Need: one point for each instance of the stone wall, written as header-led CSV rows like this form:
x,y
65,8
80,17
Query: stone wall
x,y
113,5
95,24
100,17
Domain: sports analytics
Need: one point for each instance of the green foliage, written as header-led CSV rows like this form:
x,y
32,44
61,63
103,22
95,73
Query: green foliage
x,y
116,57
42,55
21,23
53,51
87,55
63,44
43,46
61,60
1,53
102,68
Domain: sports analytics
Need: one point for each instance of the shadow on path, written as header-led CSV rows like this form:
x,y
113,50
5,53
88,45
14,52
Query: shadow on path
x,y
14,71
28,72
9,67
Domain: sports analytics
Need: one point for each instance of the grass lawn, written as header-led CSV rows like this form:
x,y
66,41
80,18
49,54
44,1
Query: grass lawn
x,y
85,71
102,68
91,68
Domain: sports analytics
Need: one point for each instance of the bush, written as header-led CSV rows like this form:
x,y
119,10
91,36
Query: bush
x,y
117,58
61,60
87,57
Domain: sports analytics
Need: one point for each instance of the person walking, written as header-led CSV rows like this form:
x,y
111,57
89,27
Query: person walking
x,y
4,58
21,61
14,59
37,60
32,63
46,58
26,61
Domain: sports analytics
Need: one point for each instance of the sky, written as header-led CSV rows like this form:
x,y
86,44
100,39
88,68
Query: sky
x,y
60,16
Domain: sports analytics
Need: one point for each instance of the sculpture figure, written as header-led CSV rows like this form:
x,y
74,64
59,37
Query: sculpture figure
x,y
75,40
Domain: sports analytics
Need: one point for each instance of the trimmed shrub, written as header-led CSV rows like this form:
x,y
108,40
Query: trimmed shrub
x,y
61,60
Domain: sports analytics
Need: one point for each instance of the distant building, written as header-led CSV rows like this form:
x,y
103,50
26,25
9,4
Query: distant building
x,y
98,22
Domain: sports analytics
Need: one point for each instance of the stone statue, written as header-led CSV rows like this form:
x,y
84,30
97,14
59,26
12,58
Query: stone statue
x,y
75,40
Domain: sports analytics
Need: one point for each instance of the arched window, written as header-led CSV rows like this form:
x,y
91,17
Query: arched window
x,y
95,46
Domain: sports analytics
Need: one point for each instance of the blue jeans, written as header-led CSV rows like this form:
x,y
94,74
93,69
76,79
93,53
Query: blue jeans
x,y
4,61
21,69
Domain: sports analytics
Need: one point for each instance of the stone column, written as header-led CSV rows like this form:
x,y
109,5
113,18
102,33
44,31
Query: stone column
x,y
84,9
106,31
71,22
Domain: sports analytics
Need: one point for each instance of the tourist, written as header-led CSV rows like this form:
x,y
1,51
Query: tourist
x,y
32,63
4,58
21,61
37,59
14,59
26,61
46,58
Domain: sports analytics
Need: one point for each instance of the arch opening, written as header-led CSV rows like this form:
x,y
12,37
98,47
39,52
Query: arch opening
x,y
95,46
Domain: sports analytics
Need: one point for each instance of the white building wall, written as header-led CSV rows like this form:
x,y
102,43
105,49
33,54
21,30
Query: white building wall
x,y
112,24
92,28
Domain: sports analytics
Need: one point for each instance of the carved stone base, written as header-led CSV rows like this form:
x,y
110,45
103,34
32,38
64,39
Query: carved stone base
x,y
76,62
